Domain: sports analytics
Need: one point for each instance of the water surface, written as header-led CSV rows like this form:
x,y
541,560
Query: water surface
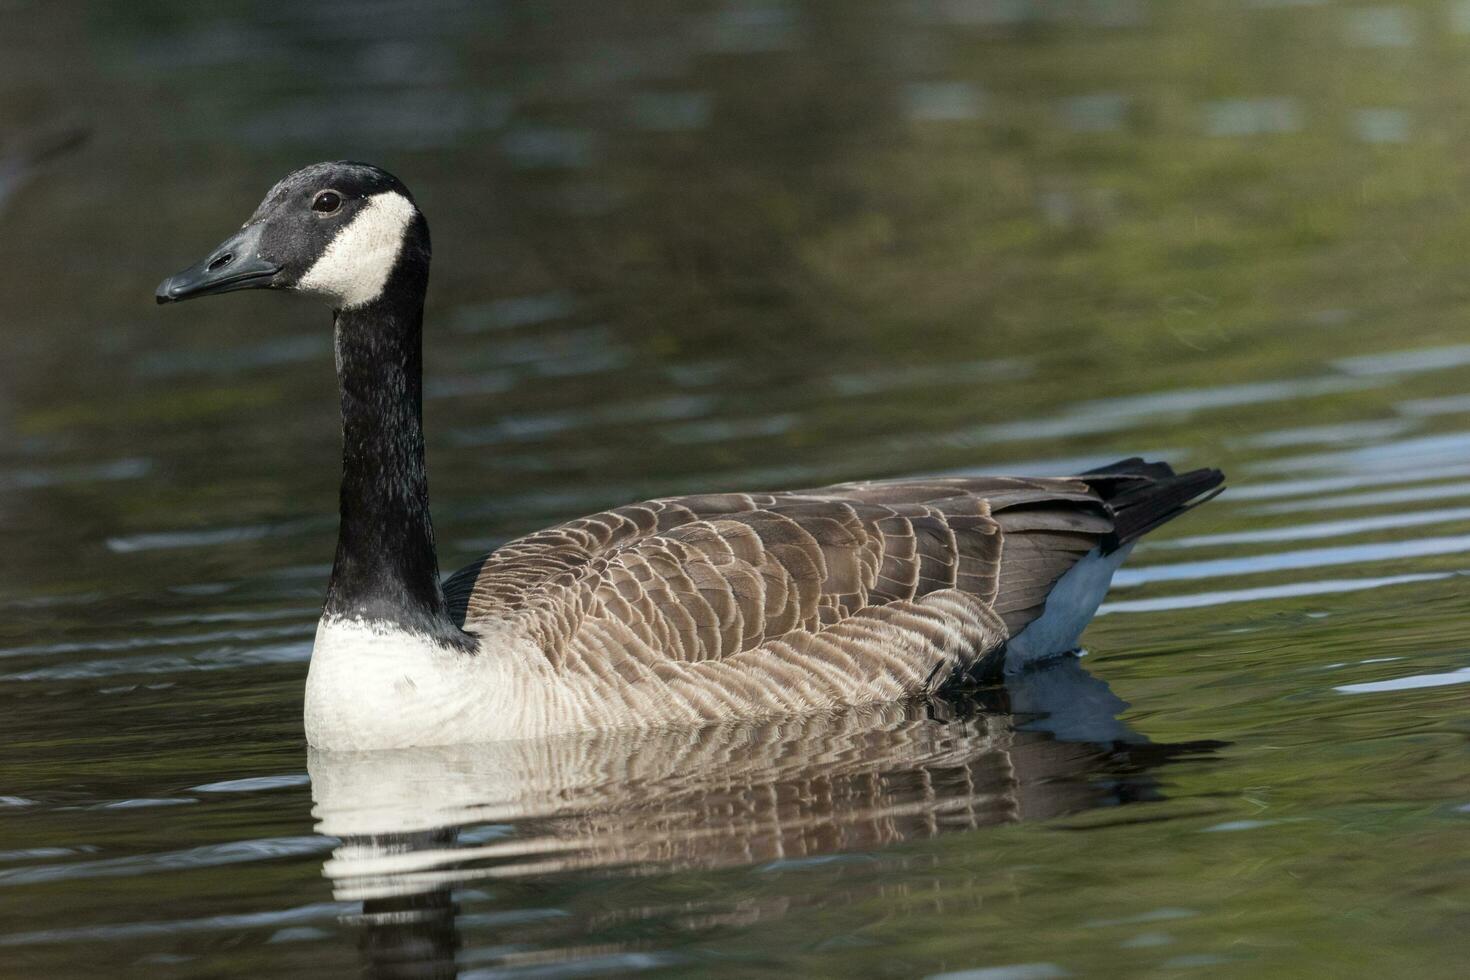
x,y
753,245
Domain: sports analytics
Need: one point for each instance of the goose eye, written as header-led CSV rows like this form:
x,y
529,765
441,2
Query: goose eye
x,y
326,202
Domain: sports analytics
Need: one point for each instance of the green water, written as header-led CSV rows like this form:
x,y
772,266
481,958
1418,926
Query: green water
x,y
743,245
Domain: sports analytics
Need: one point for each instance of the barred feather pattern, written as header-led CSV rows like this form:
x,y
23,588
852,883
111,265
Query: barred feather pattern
x,y
702,608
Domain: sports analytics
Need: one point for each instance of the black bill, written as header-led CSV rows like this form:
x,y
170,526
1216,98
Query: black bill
x,y
235,264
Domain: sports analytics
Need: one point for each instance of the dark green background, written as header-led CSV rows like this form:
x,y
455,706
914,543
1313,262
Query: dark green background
x,y
747,245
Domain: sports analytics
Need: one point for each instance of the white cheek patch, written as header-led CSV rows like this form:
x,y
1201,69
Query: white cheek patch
x,y
356,265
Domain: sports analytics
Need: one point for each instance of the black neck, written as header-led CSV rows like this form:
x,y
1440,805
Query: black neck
x,y
386,568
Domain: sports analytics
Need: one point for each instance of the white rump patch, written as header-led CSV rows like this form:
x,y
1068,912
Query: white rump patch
x,y
356,265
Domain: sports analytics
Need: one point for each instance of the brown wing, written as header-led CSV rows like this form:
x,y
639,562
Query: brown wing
x,y
738,605
705,578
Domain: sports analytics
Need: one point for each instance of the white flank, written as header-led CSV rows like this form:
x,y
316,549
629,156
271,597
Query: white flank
x,y
1070,606
356,265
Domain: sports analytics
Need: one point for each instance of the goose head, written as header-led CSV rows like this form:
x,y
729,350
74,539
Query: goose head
x,y
341,231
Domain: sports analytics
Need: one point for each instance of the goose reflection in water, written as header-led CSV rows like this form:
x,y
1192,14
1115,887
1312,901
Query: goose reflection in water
x,y
415,823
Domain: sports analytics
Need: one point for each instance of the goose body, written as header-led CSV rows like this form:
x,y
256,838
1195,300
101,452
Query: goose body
x,y
669,612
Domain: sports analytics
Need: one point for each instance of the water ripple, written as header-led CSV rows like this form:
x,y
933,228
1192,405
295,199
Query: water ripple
x,y
1375,498
1330,484
213,923
1104,415
1288,560
225,658
1406,362
1284,591
255,784
149,642
37,478
1395,456
210,537
1461,676
1323,529
207,856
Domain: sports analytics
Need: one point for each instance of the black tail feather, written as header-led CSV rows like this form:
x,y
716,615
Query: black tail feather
x,y
1141,495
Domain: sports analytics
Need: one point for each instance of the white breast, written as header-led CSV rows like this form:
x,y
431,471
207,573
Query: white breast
x,y
373,686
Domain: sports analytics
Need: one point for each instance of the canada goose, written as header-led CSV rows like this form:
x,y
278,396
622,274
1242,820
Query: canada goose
x,y
673,611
